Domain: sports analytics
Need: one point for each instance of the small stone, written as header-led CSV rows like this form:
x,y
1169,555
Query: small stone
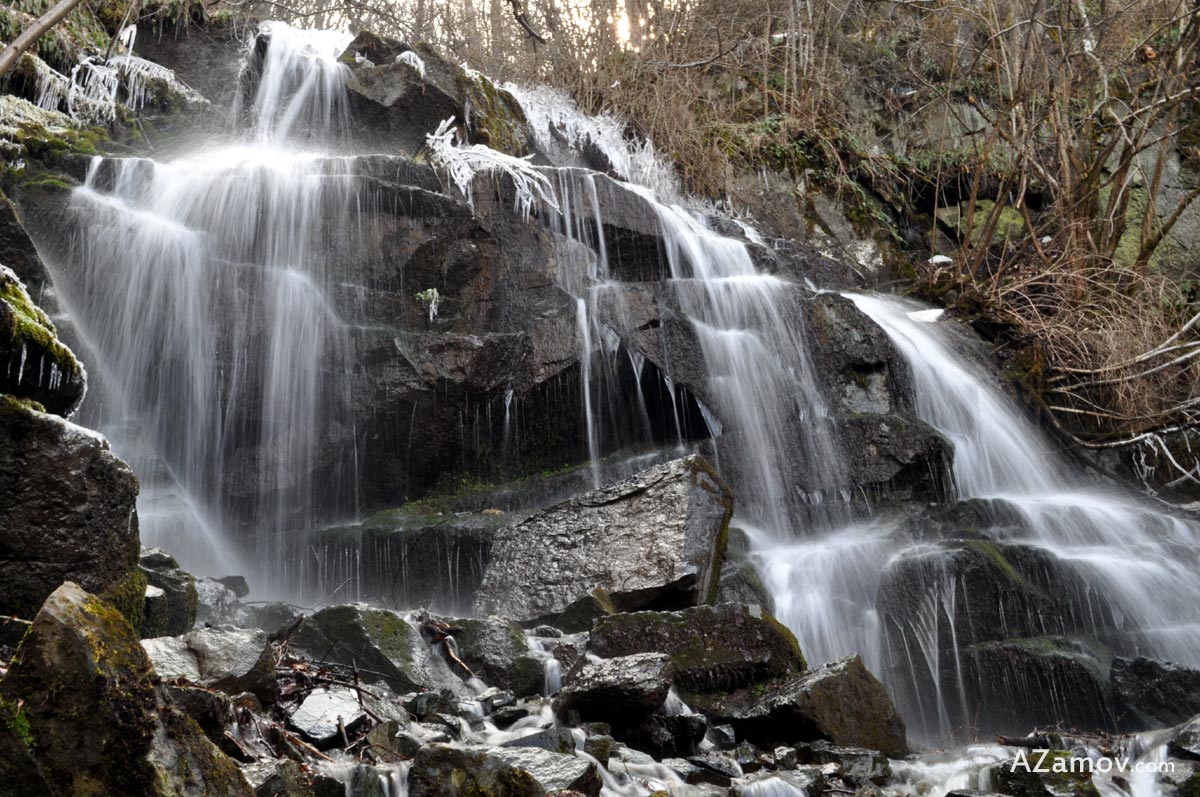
x,y
318,714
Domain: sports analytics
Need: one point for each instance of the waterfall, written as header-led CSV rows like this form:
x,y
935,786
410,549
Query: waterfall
x,y
201,287
1141,556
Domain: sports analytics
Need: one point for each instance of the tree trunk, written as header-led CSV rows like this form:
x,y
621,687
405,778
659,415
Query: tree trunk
x,y
34,32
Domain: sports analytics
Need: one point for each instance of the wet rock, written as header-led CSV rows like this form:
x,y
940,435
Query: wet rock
x,y
212,711
439,770
1060,680
664,735
89,718
21,257
283,778
272,617
857,763
1186,741
174,611
712,648
658,537
580,614
719,769
398,103
496,651
382,643
34,364
235,584
230,659
621,691
68,513
553,771
893,458
1156,693
319,714
840,701
556,740
216,604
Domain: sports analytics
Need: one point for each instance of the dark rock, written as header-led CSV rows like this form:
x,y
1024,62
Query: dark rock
x,y
658,537
68,514
90,720
599,746
272,617
396,104
236,584
506,716
547,632
713,648
210,710
664,735
893,458
718,769
1060,681
382,643
622,691
581,613
439,770
840,701
1157,693
174,612
858,763
496,651
34,364
21,256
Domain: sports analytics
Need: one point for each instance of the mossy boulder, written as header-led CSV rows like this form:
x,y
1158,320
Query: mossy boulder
x,y
713,648
68,513
439,770
622,691
34,363
90,718
496,650
382,643
841,702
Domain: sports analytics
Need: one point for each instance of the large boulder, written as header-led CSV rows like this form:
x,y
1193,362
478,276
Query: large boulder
x,y
83,715
34,363
230,659
383,644
439,770
656,538
68,513
553,771
496,651
621,691
841,702
713,648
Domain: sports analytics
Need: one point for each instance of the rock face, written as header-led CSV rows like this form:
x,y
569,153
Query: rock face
x,y
1157,693
712,648
553,771
656,538
68,513
840,701
622,691
34,363
84,716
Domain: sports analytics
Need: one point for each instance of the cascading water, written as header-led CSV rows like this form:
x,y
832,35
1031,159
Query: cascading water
x,y
200,287
1143,558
